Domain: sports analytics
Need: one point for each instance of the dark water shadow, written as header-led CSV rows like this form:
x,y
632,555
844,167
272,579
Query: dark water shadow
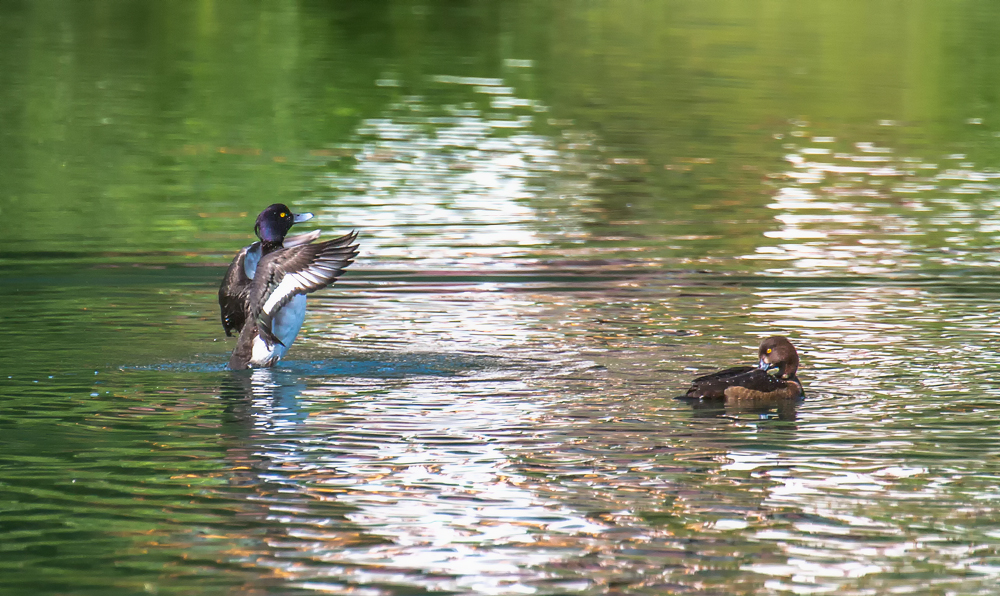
x,y
781,409
373,365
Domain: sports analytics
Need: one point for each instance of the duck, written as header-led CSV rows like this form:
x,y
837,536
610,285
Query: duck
x,y
262,297
754,384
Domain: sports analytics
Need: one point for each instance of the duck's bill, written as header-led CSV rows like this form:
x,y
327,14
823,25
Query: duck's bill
x,y
301,217
765,365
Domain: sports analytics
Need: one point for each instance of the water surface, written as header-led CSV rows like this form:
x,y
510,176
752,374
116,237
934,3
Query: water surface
x,y
566,211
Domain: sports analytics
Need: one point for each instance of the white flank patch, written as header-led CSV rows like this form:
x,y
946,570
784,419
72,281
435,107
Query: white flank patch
x,y
285,325
250,261
261,355
287,322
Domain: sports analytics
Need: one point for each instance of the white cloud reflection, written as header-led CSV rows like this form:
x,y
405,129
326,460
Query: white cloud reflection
x,y
423,466
444,187
870,211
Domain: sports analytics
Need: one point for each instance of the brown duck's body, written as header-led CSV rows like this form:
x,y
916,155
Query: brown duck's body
x,y
753,384
791,389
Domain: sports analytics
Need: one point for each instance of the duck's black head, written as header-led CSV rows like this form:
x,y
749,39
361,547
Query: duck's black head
x,y
777,352
274,222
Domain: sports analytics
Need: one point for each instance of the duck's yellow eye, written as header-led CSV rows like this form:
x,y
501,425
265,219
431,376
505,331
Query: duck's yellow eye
x,y
769,350
283,214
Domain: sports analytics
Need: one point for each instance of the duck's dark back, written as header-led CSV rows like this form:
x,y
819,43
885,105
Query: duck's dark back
x,y
714,386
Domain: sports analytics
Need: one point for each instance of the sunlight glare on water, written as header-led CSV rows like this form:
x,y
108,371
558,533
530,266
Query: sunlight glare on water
x,y
465,173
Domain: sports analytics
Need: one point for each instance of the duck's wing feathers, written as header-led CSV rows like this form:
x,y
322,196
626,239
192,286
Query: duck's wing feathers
x,y
714,386
294,270
234,290
298,239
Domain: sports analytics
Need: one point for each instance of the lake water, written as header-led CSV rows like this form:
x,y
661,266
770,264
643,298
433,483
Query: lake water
x,y
566,212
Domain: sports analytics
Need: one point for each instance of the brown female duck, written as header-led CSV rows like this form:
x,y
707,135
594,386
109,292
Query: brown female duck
x,y
754,383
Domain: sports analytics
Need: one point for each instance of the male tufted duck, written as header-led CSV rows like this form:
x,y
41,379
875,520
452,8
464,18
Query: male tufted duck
x,y
263,295
753,383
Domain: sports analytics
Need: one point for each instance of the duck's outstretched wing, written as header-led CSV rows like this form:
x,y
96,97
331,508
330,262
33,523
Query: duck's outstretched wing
x,y
293,270
235,290
298,239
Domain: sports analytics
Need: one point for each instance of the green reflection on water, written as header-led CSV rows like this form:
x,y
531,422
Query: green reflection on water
x,y
124,119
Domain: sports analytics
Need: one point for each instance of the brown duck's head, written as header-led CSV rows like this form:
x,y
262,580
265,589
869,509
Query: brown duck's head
x,y
777,352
